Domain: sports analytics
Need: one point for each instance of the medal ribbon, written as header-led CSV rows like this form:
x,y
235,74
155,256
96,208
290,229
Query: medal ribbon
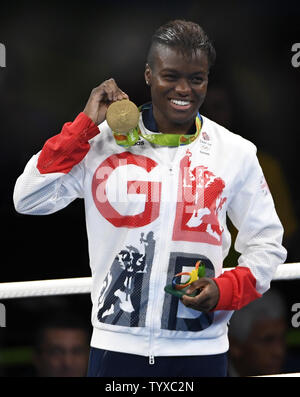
x,y
158,138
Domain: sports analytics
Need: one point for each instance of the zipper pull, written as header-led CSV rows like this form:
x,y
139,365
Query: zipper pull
x,y
151,360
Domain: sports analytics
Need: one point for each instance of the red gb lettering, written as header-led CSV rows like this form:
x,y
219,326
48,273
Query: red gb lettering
x,y
199,201
151,190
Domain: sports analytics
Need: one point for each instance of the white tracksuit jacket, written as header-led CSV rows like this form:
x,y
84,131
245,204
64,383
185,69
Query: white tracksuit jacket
x,y
152,211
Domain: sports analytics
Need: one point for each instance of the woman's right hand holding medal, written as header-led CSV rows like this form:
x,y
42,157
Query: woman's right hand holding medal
x,y
100,99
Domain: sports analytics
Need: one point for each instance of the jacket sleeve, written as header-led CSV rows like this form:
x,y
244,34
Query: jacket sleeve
x,y
53,178
259,239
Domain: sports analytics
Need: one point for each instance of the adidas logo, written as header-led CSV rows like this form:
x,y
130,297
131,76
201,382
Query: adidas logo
x,y
140,142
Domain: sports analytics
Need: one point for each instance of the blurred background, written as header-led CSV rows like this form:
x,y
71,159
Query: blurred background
x,y
57,52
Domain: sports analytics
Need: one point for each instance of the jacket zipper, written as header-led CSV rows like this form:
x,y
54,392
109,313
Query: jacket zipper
x,y
165,217
151,360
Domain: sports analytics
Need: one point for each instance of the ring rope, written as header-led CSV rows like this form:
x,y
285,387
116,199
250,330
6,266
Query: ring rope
x,y
287,375
64,286
82,285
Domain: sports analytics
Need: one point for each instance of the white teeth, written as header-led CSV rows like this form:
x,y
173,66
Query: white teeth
x,y
180,103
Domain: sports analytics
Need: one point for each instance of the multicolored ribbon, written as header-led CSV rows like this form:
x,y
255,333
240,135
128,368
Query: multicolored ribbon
x,y
158,138
195,274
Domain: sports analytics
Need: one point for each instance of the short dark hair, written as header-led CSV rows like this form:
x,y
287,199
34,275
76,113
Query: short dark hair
x,y
186,36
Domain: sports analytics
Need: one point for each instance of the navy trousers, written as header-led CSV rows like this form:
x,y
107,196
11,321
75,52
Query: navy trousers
x,y
105,363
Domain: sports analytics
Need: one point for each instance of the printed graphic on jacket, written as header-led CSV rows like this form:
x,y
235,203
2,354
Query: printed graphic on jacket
x,y
123,191
198,204
124,295
175,315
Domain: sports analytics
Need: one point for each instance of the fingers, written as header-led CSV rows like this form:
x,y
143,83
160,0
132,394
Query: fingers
x,y
207,298
108,91
200,302
101,97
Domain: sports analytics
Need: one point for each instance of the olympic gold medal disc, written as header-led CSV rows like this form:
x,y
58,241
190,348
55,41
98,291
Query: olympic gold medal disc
x,y
122,116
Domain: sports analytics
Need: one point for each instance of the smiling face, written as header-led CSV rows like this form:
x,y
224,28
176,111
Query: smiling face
x,y
178,87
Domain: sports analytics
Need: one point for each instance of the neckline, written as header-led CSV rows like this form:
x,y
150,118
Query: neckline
x,y
156,137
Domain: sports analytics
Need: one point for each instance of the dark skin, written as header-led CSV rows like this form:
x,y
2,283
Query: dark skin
x,y
263,352
100,99
172,77
207,297
64,352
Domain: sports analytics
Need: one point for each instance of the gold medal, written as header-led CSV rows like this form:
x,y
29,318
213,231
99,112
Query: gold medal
x,y
122,116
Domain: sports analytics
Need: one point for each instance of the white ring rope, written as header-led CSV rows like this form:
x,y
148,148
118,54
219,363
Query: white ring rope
x,y
288,375
64,286
82,285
